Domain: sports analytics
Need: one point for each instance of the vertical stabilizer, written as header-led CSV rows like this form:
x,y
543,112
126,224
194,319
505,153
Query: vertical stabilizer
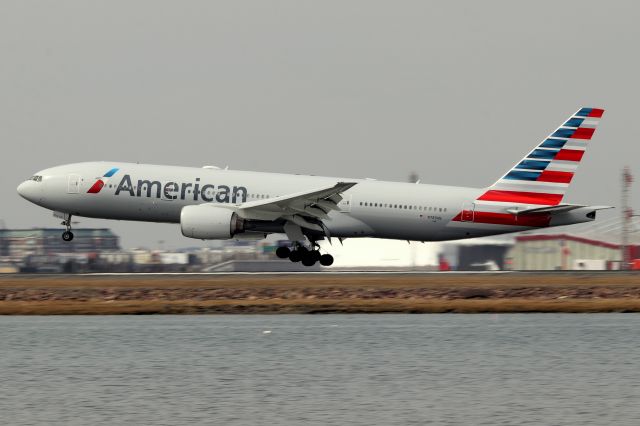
x,y
543,176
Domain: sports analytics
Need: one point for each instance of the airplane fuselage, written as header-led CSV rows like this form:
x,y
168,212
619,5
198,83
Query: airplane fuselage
x,y
371,208
210,203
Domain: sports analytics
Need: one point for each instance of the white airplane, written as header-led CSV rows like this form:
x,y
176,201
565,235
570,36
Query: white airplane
x,y
214,203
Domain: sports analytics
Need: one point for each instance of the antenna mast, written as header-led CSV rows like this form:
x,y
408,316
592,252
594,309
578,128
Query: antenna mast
x,y
627,214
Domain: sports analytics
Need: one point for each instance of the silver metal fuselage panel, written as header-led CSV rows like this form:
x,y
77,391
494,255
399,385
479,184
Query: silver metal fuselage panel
x,y
64,189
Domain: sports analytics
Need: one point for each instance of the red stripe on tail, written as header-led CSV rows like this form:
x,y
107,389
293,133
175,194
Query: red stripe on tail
x,y
583,133
522,197
596,113
553,176
569,155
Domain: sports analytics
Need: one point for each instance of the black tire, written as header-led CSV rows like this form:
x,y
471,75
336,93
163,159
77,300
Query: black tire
x,y
283,252
326,260
315,254
67,235
295,256
308,259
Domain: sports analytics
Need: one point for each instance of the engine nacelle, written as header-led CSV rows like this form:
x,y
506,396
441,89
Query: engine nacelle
x,y
207,222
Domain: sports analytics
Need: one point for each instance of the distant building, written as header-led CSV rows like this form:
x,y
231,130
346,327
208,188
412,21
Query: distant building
x,y
565,252
20,243
486,253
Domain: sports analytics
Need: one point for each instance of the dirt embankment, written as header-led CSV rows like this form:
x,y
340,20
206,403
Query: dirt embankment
x,y
319,293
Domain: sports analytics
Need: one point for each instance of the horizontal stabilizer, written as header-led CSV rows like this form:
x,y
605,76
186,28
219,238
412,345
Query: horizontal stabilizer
x,y
560,208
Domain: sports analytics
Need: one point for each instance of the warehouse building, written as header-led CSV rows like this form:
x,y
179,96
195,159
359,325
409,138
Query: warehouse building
x,y
21,243
565,252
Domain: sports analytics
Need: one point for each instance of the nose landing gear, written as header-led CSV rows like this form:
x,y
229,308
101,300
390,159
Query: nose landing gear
x,y
67,235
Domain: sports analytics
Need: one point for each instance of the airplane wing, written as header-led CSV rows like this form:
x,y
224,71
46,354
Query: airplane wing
x,y
305,209
560,208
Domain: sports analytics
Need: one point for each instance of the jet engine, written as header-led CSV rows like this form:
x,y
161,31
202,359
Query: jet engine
x,y
208,222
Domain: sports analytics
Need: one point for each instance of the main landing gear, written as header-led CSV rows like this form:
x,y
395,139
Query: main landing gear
x,y
304,255
67,235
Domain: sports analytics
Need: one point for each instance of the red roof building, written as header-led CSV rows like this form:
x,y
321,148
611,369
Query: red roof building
x,y
565,252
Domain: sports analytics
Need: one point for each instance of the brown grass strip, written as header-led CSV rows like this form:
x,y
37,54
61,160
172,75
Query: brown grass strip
x,y
317,306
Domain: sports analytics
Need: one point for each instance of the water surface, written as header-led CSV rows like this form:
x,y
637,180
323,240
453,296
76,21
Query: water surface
x,y
564,369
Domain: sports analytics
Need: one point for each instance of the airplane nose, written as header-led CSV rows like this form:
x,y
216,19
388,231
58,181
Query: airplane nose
x,y
22,189
30,191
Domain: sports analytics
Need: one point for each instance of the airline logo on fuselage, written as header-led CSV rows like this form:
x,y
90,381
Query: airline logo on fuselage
x,y
100,182
182,191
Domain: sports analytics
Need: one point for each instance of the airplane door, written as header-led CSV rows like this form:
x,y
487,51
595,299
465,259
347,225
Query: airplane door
x,y
345,203
73,184
468,210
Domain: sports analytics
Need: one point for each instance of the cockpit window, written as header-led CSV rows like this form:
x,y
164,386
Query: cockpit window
x,y
36,178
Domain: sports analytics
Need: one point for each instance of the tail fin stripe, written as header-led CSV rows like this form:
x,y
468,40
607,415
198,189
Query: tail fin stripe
x,y
563,133
553,143
554,176
590,124
583,133
532,164
531,186
543,154
569,155
590,112
522,175
573,122
576,144
522,197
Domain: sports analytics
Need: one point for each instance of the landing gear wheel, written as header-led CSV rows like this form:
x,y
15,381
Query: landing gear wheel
x,y
308,259
295,256
67,235
326,260
315,254
283,252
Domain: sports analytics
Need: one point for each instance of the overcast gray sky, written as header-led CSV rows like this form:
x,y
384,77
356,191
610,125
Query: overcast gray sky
x,y
455,91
